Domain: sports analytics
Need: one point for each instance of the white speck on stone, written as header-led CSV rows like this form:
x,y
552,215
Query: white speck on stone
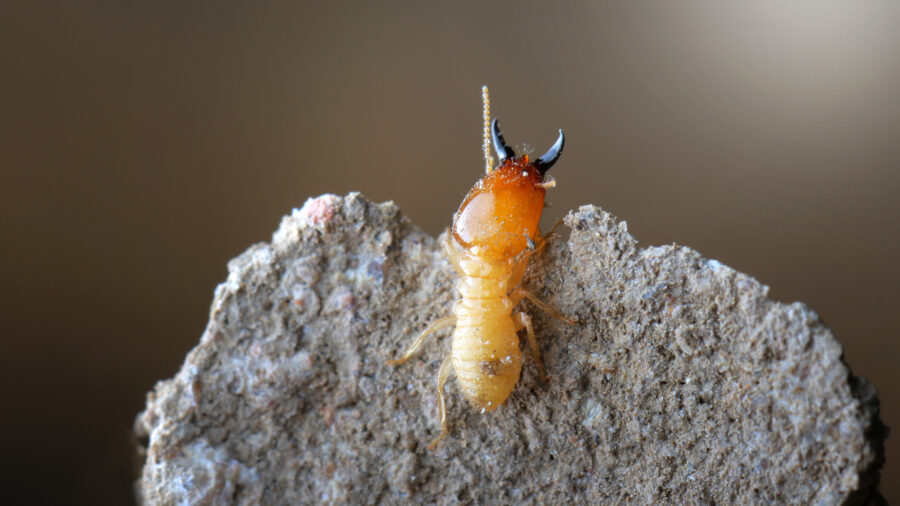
x,y
717,266
202,474
594,411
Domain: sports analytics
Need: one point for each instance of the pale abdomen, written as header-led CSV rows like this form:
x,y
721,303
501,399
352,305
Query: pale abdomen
x,y
486,355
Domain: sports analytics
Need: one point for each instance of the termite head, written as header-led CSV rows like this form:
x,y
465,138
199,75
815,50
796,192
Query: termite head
x,y
499,217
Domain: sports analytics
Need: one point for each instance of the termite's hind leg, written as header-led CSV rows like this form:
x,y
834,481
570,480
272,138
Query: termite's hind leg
x,y
443,375
523,321
521,293
448,321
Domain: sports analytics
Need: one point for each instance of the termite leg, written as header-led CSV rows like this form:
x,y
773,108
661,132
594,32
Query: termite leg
x,y
443,375
522,320
445,322
554,227
545,238
452,254
520,293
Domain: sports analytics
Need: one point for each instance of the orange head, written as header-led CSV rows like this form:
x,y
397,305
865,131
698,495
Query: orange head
x,y
501,212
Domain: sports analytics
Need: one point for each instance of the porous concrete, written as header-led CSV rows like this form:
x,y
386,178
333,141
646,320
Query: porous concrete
x,y
681,383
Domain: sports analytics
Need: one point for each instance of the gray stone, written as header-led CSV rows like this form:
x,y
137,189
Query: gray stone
x,y
681,382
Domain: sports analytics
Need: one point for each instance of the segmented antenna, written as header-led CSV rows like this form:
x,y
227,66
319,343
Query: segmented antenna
x,y
486,116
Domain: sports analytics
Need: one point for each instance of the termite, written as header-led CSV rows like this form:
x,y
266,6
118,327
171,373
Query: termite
x,y
494,233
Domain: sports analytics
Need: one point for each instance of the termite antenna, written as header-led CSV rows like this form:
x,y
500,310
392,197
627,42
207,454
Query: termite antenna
x,y
486,117
546,161
503,151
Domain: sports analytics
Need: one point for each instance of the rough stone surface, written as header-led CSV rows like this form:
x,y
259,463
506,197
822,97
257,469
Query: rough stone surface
x,y
681,383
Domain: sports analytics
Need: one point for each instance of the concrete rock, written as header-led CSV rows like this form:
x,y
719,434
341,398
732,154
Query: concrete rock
x,y
681,383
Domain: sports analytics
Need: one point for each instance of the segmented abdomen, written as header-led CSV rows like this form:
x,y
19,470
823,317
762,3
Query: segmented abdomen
x,y
486,354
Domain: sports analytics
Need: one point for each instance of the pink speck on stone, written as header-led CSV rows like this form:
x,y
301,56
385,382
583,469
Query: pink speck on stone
x,y
319,210
345,300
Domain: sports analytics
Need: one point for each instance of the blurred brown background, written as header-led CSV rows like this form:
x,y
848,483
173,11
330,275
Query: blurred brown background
x,y
143,144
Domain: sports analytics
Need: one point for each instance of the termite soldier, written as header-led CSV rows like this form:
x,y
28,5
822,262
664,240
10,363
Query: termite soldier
x,y
495,232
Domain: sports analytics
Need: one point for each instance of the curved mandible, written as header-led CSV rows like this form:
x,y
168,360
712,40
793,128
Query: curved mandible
x,y
546,161
503,151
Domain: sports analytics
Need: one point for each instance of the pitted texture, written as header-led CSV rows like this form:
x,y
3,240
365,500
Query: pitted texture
x,y
681,382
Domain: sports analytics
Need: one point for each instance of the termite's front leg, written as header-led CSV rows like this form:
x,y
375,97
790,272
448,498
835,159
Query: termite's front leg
x,y
452,253
543,239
